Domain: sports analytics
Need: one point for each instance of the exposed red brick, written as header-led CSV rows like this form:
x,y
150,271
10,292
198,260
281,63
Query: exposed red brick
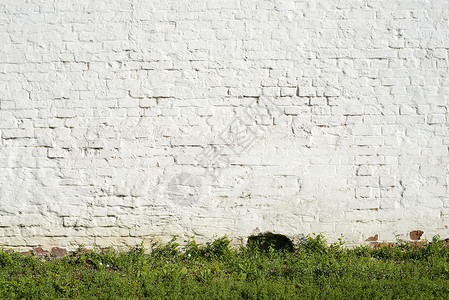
x,y
374,245
39,251
391,245
56,251
372,238
85,251
418,244
415,235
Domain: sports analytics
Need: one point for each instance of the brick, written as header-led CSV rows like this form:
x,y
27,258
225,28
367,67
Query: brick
x,y
58,252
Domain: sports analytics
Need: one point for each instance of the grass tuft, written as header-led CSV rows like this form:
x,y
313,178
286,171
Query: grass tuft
x,y
312,269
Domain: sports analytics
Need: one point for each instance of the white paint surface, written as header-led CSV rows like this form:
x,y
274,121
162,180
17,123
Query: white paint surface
x,y
130,120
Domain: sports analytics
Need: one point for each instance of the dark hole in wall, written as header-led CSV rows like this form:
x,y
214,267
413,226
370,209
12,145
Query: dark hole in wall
x,y
263,241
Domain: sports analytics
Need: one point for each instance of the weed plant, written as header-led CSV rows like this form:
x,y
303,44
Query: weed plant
x,y
313,270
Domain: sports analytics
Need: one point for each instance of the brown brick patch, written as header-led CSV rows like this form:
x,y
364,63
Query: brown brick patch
x,y
415,235
39,251
58,252
372,238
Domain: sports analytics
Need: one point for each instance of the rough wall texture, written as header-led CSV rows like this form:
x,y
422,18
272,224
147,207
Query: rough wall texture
x,y
130,120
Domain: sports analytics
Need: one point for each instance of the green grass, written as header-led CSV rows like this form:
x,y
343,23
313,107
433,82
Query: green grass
x,y
314,270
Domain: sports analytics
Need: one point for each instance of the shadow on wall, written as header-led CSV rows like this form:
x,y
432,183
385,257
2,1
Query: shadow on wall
x,y
263,241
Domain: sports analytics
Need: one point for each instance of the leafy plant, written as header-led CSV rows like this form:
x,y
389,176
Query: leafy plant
x,y
314,269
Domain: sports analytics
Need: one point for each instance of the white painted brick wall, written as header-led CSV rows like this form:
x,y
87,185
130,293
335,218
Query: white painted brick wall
x,y
141,119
